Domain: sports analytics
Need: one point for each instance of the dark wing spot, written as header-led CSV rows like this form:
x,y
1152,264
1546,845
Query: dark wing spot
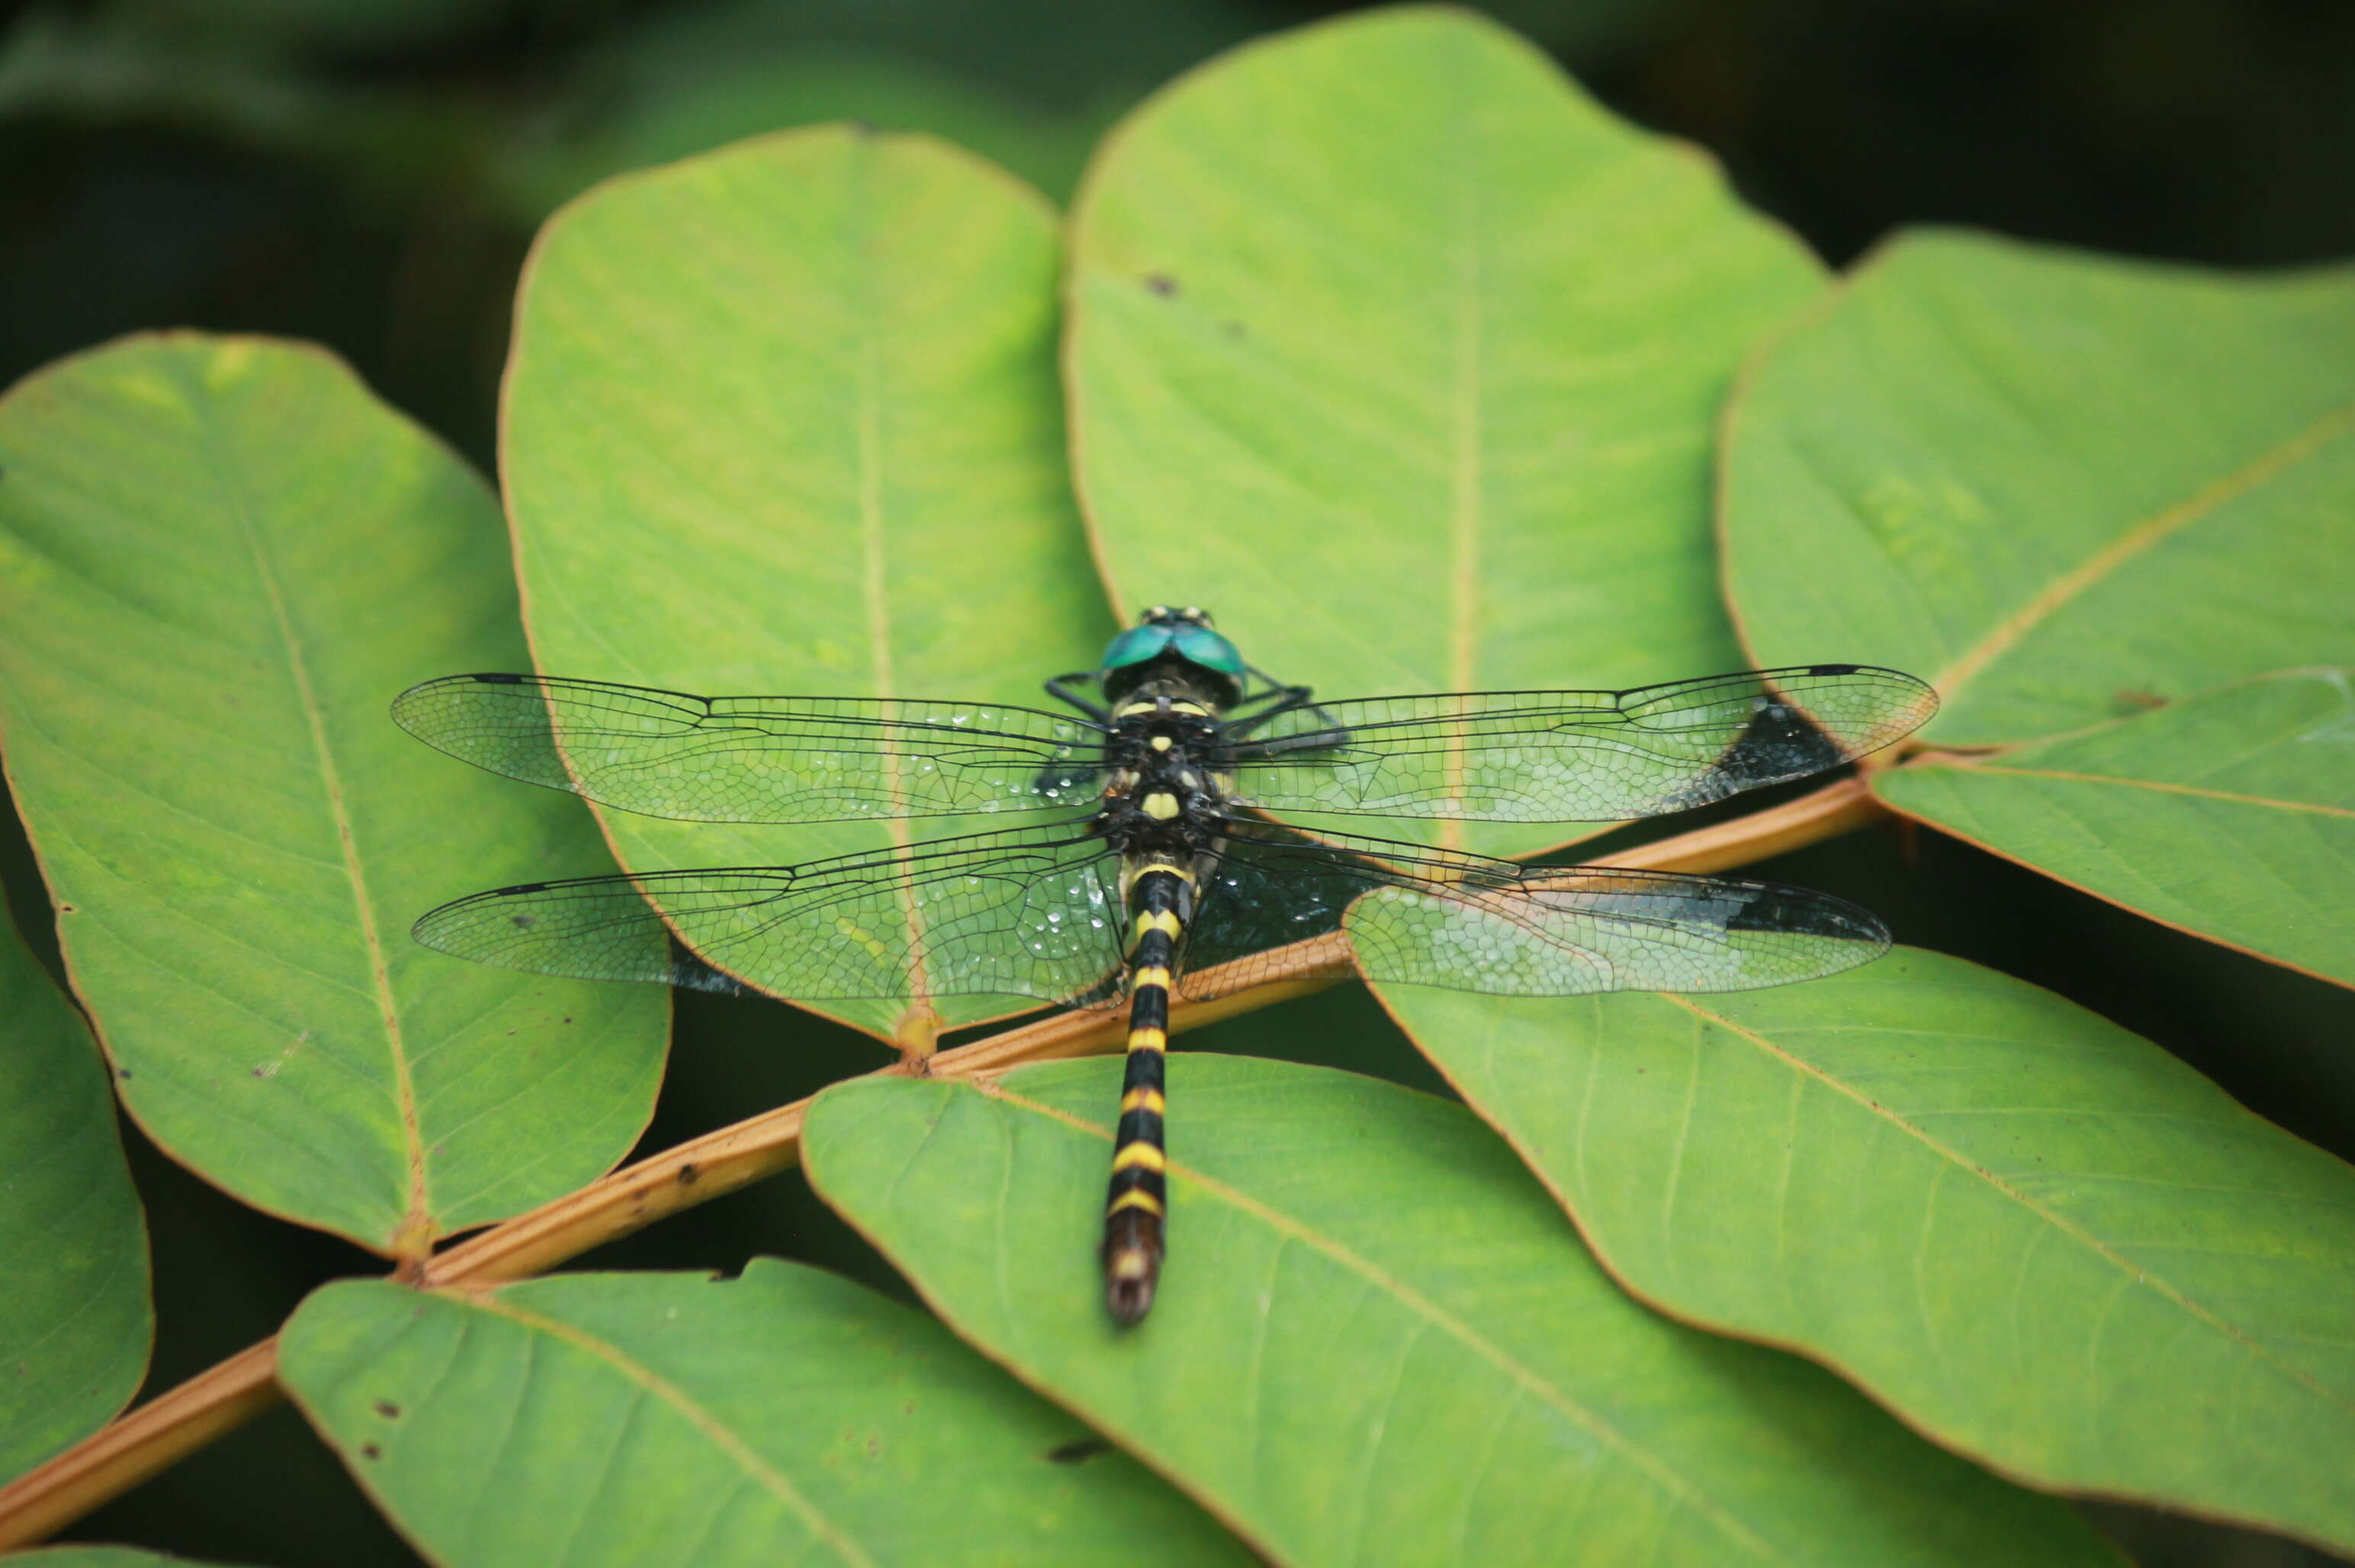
x,y
690,973
496,679
523,922
519,888
1833,668
1077,1451
1777,743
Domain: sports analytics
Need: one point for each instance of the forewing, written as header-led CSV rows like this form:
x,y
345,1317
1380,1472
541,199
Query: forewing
x,y
1468,924
756,759
1024,912
1576,756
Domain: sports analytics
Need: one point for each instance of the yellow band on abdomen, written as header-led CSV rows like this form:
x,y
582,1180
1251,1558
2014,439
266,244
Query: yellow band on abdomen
x,y
1139,1154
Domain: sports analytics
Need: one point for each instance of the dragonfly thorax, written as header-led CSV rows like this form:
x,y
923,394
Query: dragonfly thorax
x,y
1164,792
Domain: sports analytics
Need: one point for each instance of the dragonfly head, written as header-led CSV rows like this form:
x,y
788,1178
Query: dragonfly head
x,y
1176,646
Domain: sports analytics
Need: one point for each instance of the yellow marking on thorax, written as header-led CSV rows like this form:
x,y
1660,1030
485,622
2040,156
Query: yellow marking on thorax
x,y
1133,709
1161,742
1129,875
1195,708
1161,805
1148,1039
1135,1198
1139,1154
1144,1100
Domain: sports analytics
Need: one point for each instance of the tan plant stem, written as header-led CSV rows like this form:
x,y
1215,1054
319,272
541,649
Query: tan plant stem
x,y
158,1434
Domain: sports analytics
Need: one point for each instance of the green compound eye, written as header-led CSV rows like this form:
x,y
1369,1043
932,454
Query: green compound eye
x,y
1206,647
1137,644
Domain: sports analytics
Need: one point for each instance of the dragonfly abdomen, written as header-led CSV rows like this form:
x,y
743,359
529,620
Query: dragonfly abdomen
x,y
1136,1206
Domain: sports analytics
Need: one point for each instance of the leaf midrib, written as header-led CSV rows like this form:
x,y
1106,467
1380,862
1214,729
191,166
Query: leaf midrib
x,y
775,1482
2138,539
2121,782
1522,1377
414,1232
875,560
1464,491
2132,1272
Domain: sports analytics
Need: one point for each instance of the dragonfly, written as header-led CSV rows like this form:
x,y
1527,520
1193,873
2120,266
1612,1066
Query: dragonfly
x,y
1154,865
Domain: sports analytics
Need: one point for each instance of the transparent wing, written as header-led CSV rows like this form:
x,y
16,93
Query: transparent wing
x,y
1025,913
1576,756
1469,924
756,759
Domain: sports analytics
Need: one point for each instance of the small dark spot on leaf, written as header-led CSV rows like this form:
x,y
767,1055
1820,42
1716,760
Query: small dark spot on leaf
x,y
1077,1451
1161,284
370,1451
388,1410
568,1020
122,1072
1232,327
2134,697
688,1173
67,909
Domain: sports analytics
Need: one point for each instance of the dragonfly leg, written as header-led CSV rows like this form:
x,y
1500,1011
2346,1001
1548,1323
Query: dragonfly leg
x,y
1297,698
1060,689
1057,782
1282,699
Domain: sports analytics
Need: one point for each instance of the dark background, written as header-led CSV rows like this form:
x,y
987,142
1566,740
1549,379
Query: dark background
x,y
367,173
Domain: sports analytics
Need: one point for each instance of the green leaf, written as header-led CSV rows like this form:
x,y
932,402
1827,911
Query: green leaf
x,y
1376,1342
1403,355
2230,815
787,1416
783,419
219,559
75,1318
2052,485
2036,1237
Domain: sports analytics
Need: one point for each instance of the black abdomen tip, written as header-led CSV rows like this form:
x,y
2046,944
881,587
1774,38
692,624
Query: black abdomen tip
x,y
1131,1260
